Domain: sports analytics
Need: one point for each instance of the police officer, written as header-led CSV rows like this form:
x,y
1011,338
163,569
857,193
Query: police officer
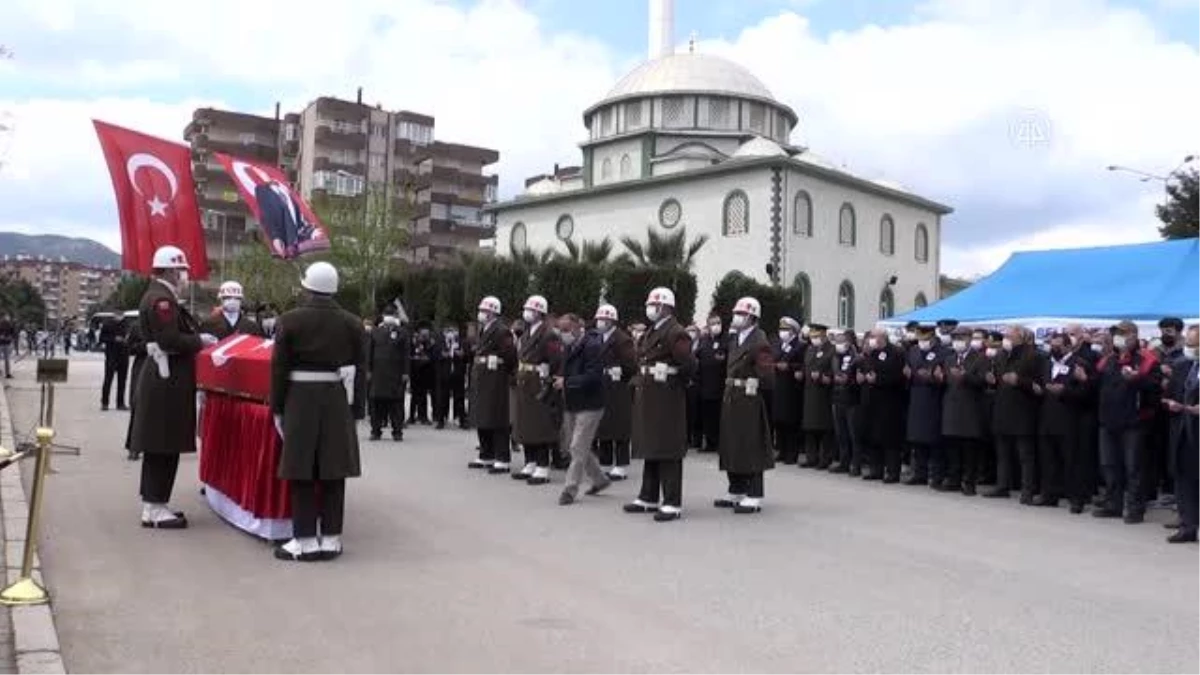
x,y
387,358
230,320
619,358
788,395
165,424
665,363
318,390
818,399
495,359
116,361
745,447
536,429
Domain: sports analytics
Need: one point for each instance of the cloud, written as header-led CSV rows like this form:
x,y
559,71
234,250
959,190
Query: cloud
x,y
1008,111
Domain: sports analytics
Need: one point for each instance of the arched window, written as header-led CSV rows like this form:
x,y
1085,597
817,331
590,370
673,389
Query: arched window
x,y
804,285
606,169
735,214
887,303
518,239
802,215
565,227
626,167
887,235
920,301
847,227
846,305
921,245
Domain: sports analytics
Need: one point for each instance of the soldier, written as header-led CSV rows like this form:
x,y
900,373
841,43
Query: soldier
x,y
787,397
665,363
535,427
619,358
963,429
387,359
923,370
818,399
494,362
451,379
745,423
230,320
710,358
136,344
165,425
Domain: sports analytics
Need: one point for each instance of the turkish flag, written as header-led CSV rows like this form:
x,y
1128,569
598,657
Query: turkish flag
x,y
156,198
289,226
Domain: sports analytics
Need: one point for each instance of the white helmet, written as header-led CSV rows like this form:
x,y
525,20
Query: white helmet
x,y
538,304
661,296
320,277
749,306
490,304
230,289
169,258
606,312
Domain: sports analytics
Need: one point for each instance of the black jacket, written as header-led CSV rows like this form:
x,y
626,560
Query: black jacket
x,y
1015,411
583,374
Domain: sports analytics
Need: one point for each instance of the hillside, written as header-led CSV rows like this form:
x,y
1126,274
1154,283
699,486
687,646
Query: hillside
x,y
53,246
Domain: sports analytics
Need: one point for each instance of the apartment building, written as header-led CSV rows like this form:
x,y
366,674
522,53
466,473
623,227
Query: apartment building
x,y
69,289
338,148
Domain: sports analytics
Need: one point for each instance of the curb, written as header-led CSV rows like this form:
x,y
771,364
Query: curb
x,y
35,636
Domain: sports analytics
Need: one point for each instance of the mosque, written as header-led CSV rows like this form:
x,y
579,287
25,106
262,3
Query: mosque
x,y
695,140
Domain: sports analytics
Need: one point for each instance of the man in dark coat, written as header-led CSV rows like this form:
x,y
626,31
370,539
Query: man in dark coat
x,y
1156,465
421,375
882,378
494,362
136,344
665,362
619,359
993,349
318,391
450,379
165,425
694,425
787,391
923,428
387,361
965,369
818,399
1182,401
847,422
710,374
1014,414
230,320
535,423
1088,433
745,449
1067,384
581,384
116,361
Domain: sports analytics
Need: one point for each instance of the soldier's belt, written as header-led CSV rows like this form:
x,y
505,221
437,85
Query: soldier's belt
x,y
527,368
314,376
482,360
649,370
735,382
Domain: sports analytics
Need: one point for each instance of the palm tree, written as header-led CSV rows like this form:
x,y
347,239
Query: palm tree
x,y
671,250
529,258
594,253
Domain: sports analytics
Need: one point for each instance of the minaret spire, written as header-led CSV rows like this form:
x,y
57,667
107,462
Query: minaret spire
x,y
661,29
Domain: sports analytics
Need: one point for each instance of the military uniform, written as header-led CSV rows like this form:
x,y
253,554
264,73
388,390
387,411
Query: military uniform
x,y
494,362
319,398
136,344
219,326
536,423
745,447
619,357
818,402
165,424
787,398
387,361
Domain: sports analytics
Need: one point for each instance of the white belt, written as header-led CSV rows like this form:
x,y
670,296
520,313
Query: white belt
x,y
648,370
314,376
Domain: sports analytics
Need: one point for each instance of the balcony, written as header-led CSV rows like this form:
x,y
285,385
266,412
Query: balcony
x,y
204,144
335,108
330,164
291,148
340,138
407,177
463,153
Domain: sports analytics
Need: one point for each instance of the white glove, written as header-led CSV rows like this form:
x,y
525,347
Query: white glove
x,y
751,386
279,425
493,362
543,370
208,339
160,359
660,372
615,373
347,374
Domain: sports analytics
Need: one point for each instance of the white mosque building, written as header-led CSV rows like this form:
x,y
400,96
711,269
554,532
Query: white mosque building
x,y
697,141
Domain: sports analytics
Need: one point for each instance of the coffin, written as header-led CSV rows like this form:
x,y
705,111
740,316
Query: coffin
x,y
239,365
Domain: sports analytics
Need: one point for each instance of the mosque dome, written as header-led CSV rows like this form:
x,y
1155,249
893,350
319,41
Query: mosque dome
x,y
690,72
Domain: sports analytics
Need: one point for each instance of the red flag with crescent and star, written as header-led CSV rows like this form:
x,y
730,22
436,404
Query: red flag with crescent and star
x,y
156,198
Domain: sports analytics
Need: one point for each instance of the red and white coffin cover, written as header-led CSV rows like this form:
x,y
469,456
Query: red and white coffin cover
x,y
239,365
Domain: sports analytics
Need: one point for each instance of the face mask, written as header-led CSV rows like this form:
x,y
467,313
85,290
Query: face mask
x,y
530,317
785,336
1189,353
1119,342
637,334
268,325
603,325
567,338
714,329
818,341
693,335
231,305
653,313
1168,341
960,346
991,352
1097,348
451,336
924,345
945,338
873,343
909,335
392,320
841,347
1007,344
739,321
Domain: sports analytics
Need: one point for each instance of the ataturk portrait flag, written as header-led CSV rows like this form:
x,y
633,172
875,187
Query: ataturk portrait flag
x,y
288,223
156,198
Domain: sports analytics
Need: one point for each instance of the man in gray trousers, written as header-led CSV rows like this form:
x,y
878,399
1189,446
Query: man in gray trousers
x,y
582,387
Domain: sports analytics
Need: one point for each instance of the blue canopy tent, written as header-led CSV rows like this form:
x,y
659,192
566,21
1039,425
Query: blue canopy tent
x,y
1097,286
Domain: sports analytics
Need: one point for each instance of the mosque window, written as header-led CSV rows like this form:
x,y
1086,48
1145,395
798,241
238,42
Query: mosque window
x,y
670,213
920,301
606,169
633,115
626,167
674,112
847,227
606,121
921,245
846,305
735,216
565,227
758,118
718,113
804,285
887,303
802,215
518,240
887,235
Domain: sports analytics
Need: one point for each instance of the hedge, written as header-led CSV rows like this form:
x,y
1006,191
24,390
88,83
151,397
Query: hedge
x,y
629,286
421,294
451,305
569,287
777,301
501,277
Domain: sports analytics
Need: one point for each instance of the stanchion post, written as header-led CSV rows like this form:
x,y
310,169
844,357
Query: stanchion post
x,y
26,591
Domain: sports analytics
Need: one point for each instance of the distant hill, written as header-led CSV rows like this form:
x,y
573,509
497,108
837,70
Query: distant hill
x,y
54,246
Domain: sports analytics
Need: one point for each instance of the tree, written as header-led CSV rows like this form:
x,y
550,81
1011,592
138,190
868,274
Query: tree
x,y
421,293
671,250
776,301
569,286
126,296
20,300
595,253
1181,213
628,287
266,279
366,235
504,278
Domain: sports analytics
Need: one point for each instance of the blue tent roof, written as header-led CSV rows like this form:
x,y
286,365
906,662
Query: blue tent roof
x,y
1138,282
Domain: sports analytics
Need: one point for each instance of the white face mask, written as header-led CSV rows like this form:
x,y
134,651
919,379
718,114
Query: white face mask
x,y
637,334
603,325
531,317
1007,344
391,320
483,318
268,325
925,345
976,344
841,347
653,313
960,346
1189,353
567,338
1119,342
231,305
946,338
873,343
740,321
785,336
910,336
714,329
991,352
1097,347
818,341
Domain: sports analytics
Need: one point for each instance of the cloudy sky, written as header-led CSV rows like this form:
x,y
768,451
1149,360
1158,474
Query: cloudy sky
x,y
1009,110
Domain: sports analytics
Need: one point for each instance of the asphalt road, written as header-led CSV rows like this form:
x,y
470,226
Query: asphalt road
x,y
450,570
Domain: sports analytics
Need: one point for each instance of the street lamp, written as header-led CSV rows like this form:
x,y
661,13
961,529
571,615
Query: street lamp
x,y
1151,176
